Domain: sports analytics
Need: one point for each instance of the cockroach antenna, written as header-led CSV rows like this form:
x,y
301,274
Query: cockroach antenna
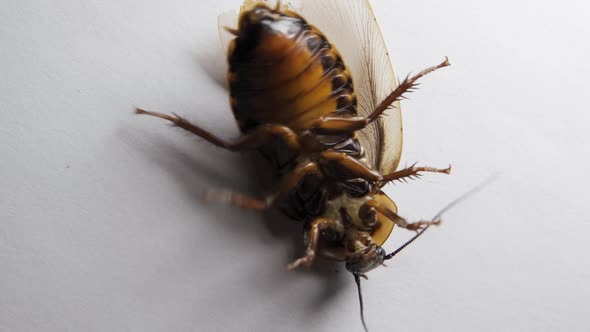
x,y
357,279
442,211
456,201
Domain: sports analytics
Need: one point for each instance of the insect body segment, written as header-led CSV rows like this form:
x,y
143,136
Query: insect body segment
x,y
294,101
284,71
319,122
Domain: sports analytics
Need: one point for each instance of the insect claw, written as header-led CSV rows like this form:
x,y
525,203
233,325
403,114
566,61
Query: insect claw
x,y
233,31
447,170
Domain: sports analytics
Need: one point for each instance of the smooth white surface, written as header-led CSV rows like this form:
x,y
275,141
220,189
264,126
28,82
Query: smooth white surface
x,y
101,228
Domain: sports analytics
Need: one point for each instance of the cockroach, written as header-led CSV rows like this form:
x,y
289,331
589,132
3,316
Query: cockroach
x,y
328,121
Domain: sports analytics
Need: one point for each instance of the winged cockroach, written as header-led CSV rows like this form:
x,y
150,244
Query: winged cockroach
x,y
321,103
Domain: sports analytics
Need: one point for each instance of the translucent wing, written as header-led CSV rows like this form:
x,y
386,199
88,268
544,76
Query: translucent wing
x,y
351,27
227,19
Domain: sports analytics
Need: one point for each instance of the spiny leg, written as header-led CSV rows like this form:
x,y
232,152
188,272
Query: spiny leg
x,y
406,85
236,199
372,206
313,234
288,183
334,125
413,226
414,171
259,136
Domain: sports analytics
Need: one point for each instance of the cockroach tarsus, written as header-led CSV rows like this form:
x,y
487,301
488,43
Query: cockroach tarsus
x,y
293,98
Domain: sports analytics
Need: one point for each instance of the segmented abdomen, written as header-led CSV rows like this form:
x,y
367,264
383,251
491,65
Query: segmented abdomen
x,y
284,71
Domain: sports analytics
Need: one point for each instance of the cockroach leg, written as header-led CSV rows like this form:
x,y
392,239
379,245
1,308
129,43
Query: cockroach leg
x,y
334,125
264,134
395,218
339,125
342,166
407,85
368,213
413,226
414,171
258,137
288,183
313,234
236,199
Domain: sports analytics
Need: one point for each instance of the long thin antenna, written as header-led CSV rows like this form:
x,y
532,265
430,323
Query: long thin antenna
x,y
357,279
441,212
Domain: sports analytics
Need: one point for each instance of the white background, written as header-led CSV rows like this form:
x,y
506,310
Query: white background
x,y
101,228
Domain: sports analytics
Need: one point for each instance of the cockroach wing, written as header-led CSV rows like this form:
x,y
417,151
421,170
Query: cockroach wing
x,y
351,27
229,20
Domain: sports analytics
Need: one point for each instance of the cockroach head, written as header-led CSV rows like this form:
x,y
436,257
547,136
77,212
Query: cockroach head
x,y
366,259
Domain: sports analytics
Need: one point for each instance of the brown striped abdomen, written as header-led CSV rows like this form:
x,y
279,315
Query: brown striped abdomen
x,y
284,71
